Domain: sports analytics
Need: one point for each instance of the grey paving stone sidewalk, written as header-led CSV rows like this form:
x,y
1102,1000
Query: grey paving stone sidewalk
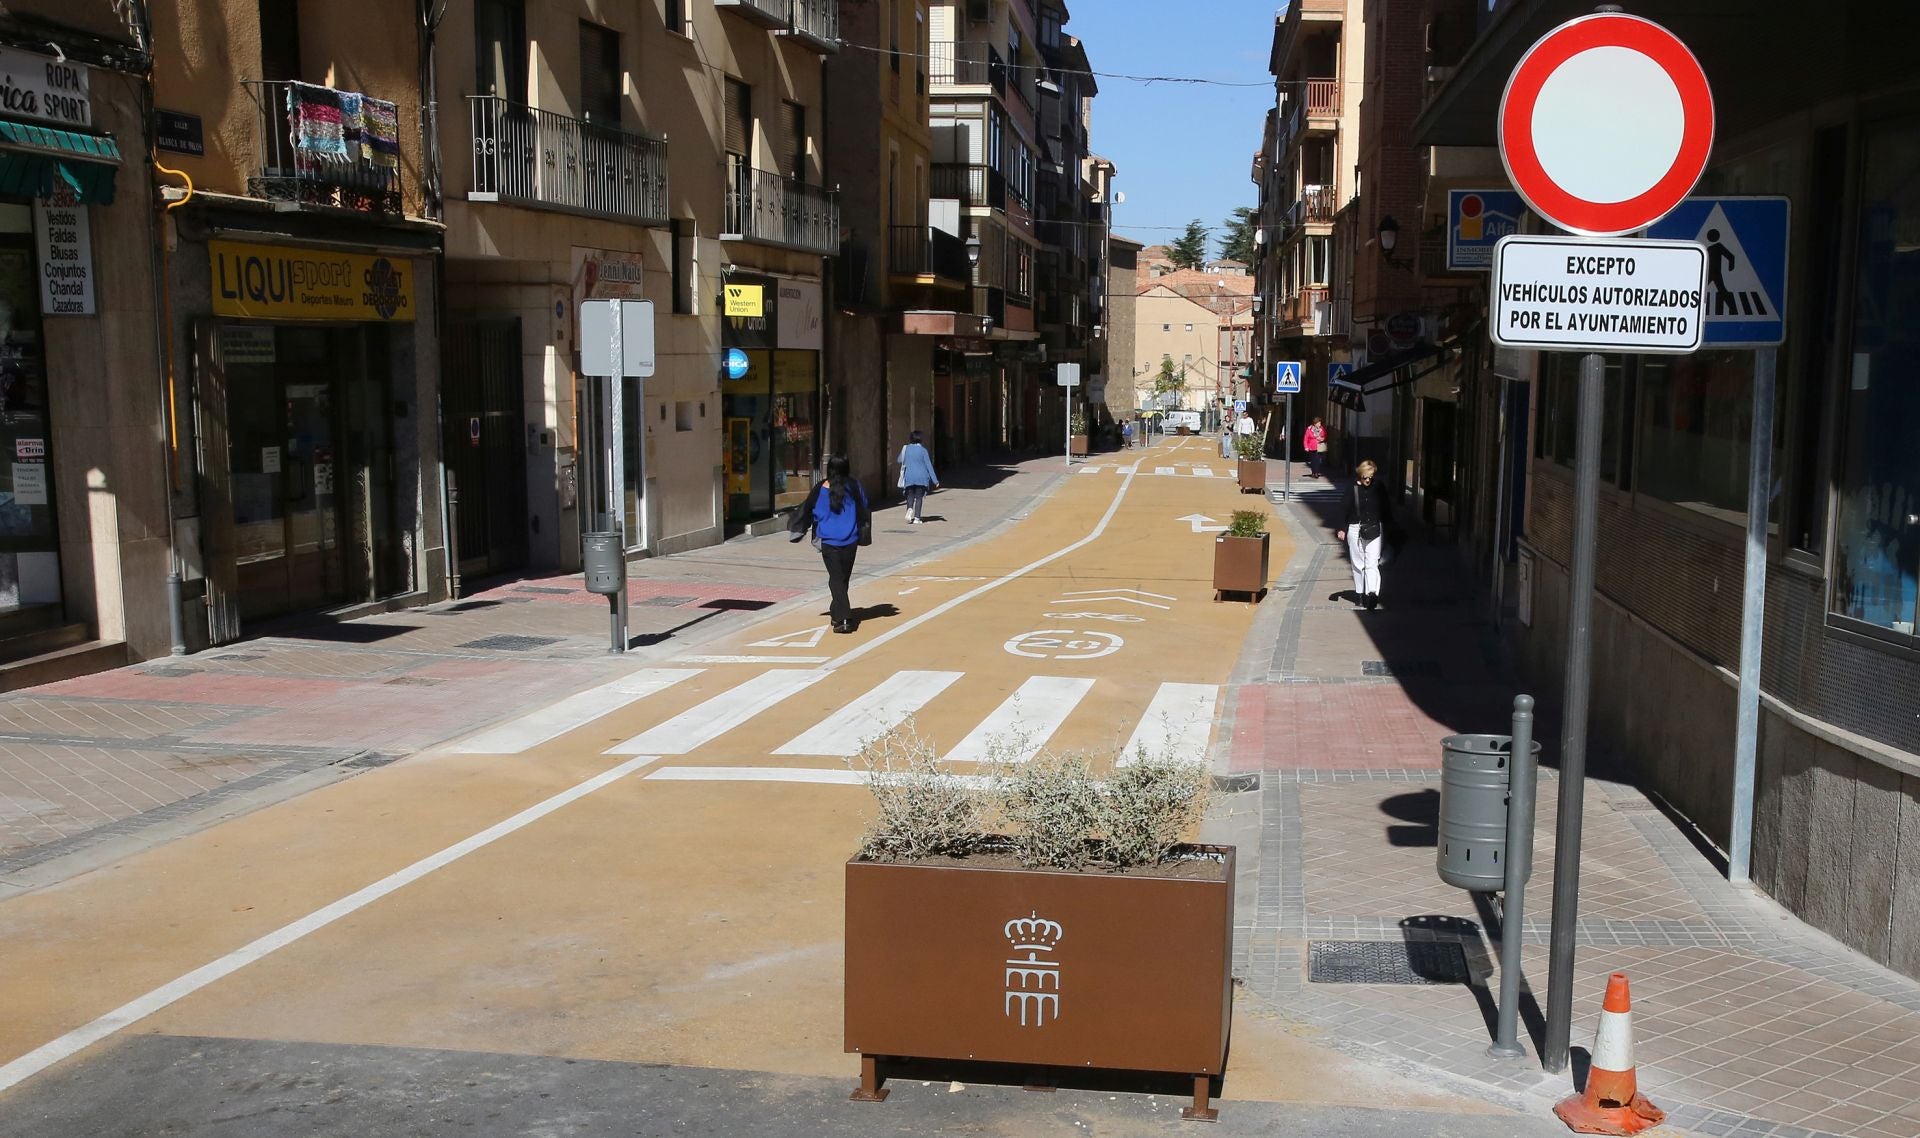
x,y
146,749
1746,1021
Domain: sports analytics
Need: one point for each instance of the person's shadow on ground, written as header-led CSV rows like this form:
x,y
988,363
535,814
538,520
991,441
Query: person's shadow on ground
x,y
871,612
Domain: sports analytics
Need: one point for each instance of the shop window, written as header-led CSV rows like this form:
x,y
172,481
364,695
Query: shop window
x,y
1806,404
29,540
1698,424
1876,560
1558,428
599,75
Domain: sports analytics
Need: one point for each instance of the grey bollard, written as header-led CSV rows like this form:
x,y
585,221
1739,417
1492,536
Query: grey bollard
x,y
1472,851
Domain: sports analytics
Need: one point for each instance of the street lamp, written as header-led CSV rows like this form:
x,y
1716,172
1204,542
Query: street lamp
x,y
973,249
1389,237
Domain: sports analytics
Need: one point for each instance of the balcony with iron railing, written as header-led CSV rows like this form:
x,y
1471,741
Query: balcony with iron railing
x,y
1316,205
1305,310
815,23
927,254
975,186
319,146
530,157
764,208
967,63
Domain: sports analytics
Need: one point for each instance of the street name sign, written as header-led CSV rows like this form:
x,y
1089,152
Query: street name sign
x,y
1573,293
1067,375
1746,243
1605,124
1286,376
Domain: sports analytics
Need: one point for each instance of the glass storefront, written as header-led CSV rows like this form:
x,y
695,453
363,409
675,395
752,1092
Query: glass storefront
x,y
1876,561
29,539
769,418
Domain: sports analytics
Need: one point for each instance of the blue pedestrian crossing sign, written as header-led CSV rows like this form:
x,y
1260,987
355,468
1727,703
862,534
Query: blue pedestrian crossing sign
x,y
1286,376
1746,239
1338,372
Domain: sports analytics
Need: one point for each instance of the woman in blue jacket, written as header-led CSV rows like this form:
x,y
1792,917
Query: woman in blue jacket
x,y
836,511
916,476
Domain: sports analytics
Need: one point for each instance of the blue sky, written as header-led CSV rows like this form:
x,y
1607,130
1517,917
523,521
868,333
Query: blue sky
x,y
1183,150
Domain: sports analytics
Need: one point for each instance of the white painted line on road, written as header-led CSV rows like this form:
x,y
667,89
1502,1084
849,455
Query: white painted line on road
x,y
172,992
1177,724
698,726
1028,718
945,607
1109,597
1136,592
751,659
537,727
836,777
871,715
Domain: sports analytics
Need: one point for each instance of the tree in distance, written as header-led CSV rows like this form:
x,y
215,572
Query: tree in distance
x,y
1172,377
1189,250
1238,244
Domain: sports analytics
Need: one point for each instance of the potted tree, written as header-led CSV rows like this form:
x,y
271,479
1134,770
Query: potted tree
x,y
1039,915
1253,462
1077,426
1240,556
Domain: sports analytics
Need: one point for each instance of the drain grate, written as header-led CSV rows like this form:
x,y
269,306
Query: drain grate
x,y
1403,668
511,643
171,672
1386,962
414,681
543,589
666,602
238,656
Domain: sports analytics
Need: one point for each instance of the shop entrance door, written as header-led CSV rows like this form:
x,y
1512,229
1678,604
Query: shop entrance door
x,y
485,443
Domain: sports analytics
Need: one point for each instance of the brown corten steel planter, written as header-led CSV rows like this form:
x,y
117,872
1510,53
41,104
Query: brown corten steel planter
x,y
1040,968
1077,445
1253,474
1240,565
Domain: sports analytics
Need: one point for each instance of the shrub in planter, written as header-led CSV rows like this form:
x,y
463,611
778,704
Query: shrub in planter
x,y
1252,470
1038,915
1077,428
1240,556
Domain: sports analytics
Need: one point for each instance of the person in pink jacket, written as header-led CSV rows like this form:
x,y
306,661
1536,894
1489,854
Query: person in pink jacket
x,y
1315,440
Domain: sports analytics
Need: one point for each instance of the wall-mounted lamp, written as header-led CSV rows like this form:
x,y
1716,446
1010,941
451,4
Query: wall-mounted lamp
x,y
1389,237
973,248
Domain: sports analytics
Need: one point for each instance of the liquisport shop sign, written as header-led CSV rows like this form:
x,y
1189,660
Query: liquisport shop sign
x,y
275,282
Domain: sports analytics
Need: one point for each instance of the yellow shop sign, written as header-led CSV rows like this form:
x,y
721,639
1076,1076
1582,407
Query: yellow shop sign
x,y
280,282
746,300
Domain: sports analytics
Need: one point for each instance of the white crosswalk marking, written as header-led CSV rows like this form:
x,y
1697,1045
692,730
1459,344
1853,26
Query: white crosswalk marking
x,y
1091,469
871,715
1026,719
1177,724
1203,472
577,710
698,726
1166,470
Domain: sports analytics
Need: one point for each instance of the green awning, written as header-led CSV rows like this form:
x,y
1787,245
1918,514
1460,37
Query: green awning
x,y
37,159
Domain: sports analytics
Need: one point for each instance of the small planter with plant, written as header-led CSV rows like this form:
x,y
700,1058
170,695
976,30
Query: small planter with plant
x,y
1240,556
1253,463
1077,426
1040,916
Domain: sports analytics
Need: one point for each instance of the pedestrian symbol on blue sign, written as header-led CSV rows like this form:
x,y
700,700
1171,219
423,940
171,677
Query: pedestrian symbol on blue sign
x,y
1239,406
1286,376
1337,372
737,364
1746,240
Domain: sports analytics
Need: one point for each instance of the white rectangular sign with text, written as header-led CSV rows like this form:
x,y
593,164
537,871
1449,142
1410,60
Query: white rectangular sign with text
x,y
1587,294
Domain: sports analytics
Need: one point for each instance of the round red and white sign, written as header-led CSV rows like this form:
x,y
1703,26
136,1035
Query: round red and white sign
x,y
1606,124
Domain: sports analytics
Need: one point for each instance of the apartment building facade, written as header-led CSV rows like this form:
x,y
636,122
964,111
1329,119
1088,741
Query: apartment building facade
x,y
299,253
1838,765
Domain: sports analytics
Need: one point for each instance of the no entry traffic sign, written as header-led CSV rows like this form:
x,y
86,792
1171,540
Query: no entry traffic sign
x,y
1606,124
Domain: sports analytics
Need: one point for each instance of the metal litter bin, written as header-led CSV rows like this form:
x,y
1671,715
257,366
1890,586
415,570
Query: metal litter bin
x,y
604,559
1473,810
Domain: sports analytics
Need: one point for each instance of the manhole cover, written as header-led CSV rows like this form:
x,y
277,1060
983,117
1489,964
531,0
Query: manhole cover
x,y
239,656
667,602
172,672
1403,668
1386,962
511,643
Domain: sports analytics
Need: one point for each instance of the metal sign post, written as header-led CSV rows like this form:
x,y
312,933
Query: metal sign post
x,y
616,343
1286,380
1576,129
1068,377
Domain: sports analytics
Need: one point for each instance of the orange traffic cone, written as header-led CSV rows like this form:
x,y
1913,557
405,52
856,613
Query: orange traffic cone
x,y
1613,1103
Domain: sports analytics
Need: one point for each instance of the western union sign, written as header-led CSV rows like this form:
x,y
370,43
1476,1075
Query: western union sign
x,y
746,300
280,282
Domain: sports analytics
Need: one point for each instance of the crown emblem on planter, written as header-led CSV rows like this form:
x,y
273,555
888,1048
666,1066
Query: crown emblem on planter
x,y
1033,981
1034,932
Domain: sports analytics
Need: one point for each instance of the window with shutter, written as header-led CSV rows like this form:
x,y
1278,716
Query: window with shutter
x,y
599,74
739,118
794,135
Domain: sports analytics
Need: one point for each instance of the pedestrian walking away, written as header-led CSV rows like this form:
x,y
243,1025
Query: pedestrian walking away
x,y
1226,438
1126,436
1316,444
1365,531
916,477
836,511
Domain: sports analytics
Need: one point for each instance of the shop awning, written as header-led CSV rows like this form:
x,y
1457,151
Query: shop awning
x,y
1397,368
35,160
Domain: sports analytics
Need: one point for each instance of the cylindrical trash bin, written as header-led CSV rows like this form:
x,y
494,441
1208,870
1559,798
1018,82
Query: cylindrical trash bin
x,y
605,563
1473,810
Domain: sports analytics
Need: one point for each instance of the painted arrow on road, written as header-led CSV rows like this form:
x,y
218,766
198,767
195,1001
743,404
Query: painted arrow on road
x,y
1197,519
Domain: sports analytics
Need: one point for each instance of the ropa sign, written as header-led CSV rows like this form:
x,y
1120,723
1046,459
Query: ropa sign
x,y
38,87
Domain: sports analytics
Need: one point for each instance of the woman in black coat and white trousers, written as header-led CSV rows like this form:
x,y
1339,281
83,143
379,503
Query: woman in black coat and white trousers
x,y
1365,531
